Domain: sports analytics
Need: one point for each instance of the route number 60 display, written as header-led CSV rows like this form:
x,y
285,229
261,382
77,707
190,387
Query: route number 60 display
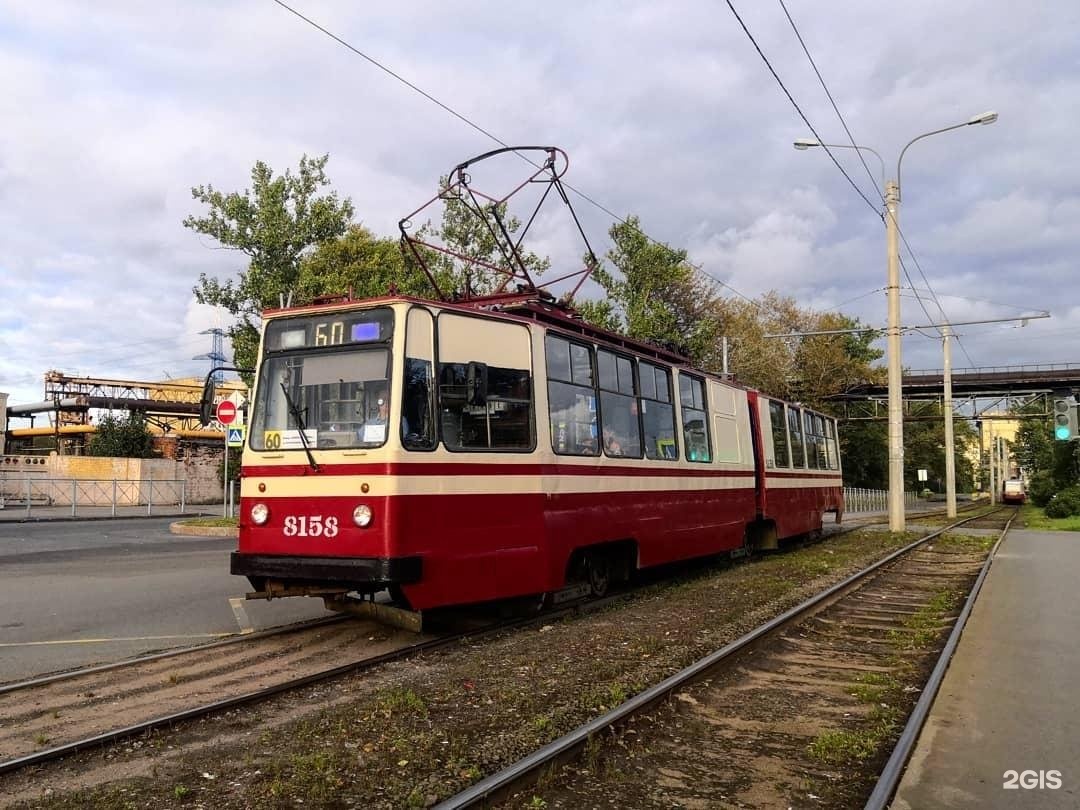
x,y
311,526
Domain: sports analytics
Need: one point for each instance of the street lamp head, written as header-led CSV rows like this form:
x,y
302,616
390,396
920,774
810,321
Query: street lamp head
x,y
806,143
984,118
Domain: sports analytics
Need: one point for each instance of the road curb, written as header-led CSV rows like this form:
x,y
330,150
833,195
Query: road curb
x,y
4,519
180,527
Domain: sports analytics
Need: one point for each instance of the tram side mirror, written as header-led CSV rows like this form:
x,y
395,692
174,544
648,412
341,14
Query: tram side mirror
x,y
206,403
476,384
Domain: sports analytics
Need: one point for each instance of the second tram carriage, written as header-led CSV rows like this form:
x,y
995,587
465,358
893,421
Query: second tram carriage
x,y
459,453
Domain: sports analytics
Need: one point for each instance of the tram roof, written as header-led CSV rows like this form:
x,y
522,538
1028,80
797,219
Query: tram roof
x,y
519,307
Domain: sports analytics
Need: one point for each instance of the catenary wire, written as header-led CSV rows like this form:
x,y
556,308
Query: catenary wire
x,y
836,109
856,298
933,295
496,139
798,109
869,174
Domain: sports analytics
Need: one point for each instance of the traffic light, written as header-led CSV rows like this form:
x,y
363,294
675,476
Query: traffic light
x,y
1065,421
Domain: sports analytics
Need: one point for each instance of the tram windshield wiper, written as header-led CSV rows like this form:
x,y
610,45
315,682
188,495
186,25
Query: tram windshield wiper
x,y
299,417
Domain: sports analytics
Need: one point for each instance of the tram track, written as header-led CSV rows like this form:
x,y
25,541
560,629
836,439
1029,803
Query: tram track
x,y
785,707
59,745
74,712
50,717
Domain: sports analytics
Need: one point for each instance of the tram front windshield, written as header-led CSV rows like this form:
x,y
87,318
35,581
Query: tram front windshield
x,y
324,382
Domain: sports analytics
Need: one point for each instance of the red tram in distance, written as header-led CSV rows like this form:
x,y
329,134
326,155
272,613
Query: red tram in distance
x,y
1013,491
500,447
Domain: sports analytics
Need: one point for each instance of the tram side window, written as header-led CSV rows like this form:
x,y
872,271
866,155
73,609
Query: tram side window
x,y
798,450
810,436
657,412
417,424
695,422
418,390
485,385
781,451
830,445
502,423
571,397
819,431
618,405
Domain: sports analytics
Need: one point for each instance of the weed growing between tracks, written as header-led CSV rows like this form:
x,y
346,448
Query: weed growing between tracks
x,y
416,732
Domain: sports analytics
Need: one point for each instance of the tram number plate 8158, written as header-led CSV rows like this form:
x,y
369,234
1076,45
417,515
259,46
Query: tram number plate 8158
x,y
311,526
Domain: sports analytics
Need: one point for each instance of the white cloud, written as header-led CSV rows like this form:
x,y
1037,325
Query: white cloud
x,y
112,113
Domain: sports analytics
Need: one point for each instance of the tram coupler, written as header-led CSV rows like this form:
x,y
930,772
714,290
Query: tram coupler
x,y
273,589
412,620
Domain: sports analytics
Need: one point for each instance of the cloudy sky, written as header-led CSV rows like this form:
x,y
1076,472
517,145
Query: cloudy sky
x,y
667,111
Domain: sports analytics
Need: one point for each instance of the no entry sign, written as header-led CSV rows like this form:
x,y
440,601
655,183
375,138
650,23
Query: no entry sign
x,y
226,412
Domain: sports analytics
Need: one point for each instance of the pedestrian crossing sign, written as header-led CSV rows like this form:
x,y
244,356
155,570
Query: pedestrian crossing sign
x,y
235,436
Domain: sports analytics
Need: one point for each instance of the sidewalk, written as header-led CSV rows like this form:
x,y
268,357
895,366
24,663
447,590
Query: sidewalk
x,y
1009,699
17,513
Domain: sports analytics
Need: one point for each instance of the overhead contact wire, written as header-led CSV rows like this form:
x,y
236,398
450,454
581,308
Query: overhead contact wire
x,y
464,119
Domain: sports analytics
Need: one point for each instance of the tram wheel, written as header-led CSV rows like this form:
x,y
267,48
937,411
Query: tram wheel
x,y
598,572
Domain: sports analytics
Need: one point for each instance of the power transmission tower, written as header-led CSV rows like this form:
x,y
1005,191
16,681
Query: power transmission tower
x,y
216,355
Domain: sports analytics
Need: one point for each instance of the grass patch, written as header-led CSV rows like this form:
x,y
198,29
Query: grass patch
x,y
401,701
926,623
839,747
214,522
844,747
1033,517
874,687
965,542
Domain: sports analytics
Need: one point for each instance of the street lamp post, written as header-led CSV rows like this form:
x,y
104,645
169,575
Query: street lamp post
x,y
806,143
896,416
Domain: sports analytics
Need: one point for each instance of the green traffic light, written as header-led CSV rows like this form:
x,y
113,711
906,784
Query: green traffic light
x,y
1062,433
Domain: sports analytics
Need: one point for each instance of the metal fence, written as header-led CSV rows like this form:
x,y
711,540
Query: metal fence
x,y
29,492
872,500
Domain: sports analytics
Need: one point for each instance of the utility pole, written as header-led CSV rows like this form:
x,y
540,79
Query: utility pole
x,y
896,404
950,448
896,416
993,446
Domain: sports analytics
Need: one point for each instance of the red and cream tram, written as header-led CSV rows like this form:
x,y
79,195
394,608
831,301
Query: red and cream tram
x,y
459,453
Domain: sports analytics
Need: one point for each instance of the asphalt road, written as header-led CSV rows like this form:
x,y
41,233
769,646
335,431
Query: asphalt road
x,y
79,593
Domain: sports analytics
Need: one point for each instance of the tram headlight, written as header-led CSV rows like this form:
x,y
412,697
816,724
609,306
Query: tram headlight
x,y
260,513
361,515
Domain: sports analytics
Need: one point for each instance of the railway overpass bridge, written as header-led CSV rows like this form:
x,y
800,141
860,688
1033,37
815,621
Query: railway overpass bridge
x,y
975,390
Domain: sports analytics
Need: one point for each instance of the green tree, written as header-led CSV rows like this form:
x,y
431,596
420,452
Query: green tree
x,y
654,293
864,452
811,368
275,223
924,448
1034,442
364,264
122,437
477,242
1039,453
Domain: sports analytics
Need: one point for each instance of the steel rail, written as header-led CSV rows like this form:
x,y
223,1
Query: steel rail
x,y
100,740
500,784
889,780
432,645
236,638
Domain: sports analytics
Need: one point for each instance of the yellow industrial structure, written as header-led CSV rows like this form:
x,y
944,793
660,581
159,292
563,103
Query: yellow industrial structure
x,y
171,408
